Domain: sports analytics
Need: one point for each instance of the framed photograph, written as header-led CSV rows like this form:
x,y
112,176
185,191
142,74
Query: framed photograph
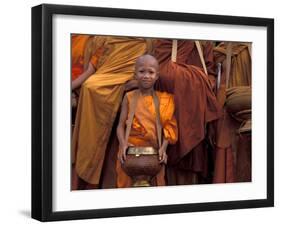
x,y
146,112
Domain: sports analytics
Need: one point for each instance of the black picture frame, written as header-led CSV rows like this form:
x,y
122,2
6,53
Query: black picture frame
x,y
42,106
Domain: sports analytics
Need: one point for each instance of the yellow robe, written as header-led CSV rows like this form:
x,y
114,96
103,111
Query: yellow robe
x,y
99,101
143,132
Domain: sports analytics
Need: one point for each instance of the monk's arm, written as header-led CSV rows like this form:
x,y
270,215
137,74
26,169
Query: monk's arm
x,y
121,129
162,151
83,77
165,144
131,84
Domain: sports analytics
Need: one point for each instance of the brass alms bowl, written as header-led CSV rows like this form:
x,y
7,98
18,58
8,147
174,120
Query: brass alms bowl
x,y
238,99
239,104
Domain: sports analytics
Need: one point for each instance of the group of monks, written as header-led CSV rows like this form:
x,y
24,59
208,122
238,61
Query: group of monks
x,y
207,151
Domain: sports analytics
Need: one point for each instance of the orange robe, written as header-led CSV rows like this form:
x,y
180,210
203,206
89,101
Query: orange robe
x,y
143,132
99,101
78,43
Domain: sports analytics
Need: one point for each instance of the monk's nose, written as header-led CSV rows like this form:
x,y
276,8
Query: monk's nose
x,y
146,75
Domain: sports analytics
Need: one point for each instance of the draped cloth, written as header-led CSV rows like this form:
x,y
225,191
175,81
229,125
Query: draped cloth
x,y
187,53
227,141
240,72
195,104
143,131
99,101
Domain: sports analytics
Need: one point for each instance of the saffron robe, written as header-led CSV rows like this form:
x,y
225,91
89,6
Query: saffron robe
x,y
99,101
78,43
143,131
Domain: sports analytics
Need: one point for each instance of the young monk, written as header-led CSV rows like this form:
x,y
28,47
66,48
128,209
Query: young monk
x,y
144,131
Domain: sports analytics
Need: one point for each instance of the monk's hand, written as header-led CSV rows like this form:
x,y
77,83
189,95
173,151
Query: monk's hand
x,y
74,100
163,157
132,84
122,153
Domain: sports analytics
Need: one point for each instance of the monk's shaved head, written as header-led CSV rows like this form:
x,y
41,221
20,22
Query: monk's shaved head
x,y
147,59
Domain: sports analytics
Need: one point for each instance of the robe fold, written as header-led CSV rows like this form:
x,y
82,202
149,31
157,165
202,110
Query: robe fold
x,y
240,72
187,53
143,131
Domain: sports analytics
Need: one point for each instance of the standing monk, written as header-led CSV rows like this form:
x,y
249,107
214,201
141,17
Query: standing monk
x,y
195,104
233,152
99,100
143,133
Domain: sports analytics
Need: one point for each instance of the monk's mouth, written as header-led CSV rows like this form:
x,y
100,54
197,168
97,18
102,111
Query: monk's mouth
x,y
146,81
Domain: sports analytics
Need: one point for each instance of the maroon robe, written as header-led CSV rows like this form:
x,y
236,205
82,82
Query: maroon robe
x,y
195,105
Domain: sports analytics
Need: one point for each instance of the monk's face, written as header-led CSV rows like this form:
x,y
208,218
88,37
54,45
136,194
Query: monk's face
x,y
146,71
